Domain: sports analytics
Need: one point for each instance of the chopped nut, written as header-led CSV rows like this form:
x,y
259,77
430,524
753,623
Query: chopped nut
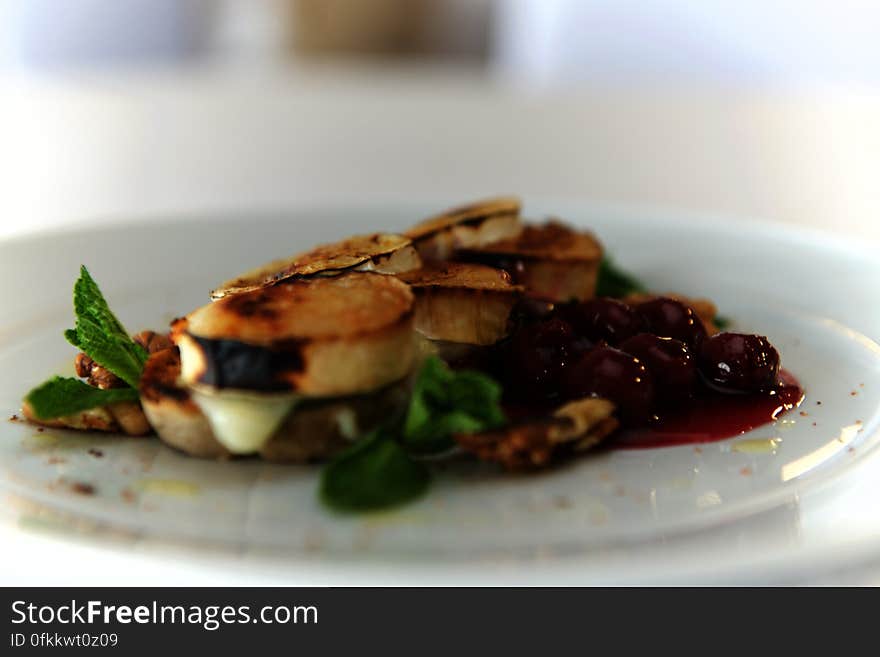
x,y
100,377
590,421
519,447
577,426
152,341
95,375
83,365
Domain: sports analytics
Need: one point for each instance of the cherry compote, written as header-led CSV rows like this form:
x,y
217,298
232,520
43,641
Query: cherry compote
x,y
610,373
655,361
736,362
536,355
670,363
603,319
670,318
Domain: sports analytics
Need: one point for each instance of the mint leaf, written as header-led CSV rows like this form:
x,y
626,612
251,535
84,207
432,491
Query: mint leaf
x,y
721,322
445,402
65,396
374,473
614,282
378,472
101,335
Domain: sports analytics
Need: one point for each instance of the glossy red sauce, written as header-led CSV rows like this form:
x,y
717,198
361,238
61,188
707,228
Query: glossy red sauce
x,y
710,417
715,416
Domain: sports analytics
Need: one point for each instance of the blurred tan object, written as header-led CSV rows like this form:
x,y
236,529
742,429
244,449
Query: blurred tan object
x,y
391,27
355,26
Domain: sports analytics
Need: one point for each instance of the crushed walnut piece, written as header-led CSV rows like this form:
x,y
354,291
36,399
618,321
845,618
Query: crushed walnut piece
x,y
518,447
574,427
152,341
127,417
589,421
101,377
96,375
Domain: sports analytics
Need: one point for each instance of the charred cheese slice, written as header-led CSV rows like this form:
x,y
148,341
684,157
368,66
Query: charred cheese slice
x,y
249,358
383,253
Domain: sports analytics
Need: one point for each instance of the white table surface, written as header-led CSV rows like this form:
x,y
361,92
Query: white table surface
x,y
107,148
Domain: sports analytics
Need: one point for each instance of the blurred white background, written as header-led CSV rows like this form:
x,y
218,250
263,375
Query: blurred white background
x,y
120,108
785,42
709,42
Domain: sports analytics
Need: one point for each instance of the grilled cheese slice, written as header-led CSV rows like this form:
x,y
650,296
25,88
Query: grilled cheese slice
x,y
551,260
383,253
249,360
472,225
462,302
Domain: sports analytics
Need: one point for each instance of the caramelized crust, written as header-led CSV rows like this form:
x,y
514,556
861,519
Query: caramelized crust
x,y
463,275
344,306
472,213
172,412
552,261
472,225
380,252
553,241
325,336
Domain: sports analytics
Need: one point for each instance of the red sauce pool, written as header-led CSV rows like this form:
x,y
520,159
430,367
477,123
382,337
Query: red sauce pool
x,y
711,417
714,417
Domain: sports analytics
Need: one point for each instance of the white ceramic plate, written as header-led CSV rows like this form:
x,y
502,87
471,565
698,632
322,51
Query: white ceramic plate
x,y
814,297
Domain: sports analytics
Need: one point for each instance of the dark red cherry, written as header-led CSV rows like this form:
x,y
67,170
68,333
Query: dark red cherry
x,y
603,319
670,363
736,362
537,353
669,318
529,309
617,376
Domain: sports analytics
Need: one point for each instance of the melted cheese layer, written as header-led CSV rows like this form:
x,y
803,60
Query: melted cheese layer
x,y
243,423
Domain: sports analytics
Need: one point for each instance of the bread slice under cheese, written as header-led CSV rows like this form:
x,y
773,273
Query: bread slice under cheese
x,y
384,253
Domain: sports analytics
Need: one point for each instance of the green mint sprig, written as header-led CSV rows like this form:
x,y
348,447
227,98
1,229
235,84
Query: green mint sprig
x,y
374,473
380,471
102,337
61,396
445,402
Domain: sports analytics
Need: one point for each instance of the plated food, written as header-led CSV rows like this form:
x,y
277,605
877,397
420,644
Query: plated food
x,y
475,334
